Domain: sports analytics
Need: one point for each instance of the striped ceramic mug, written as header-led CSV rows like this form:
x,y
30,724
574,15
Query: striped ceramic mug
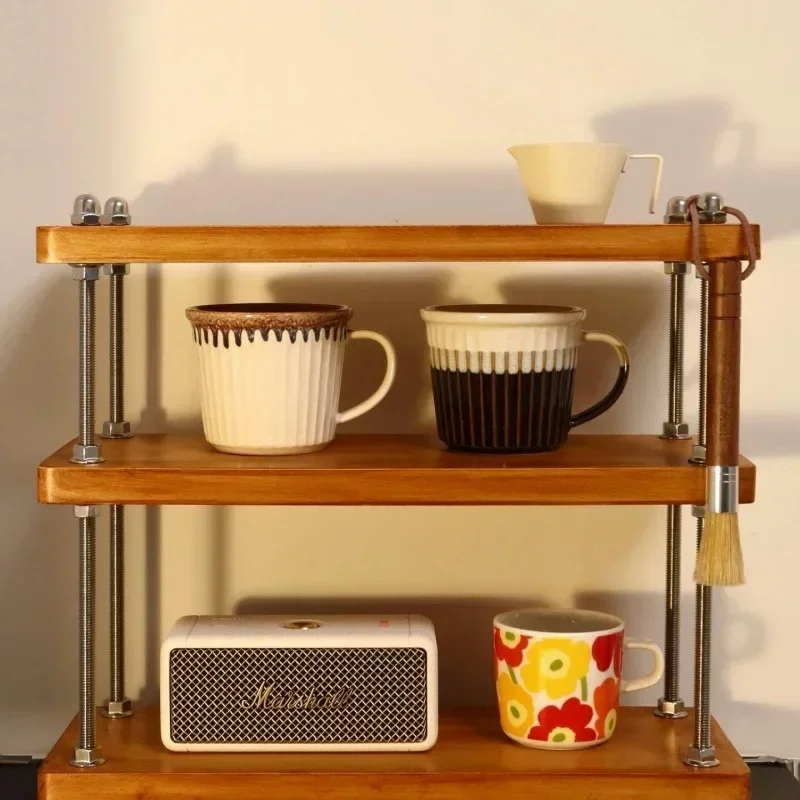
x,y
503,375
270,374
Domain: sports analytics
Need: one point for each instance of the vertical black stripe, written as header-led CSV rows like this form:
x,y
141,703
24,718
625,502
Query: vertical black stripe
x,y
502,412
469,393
520,437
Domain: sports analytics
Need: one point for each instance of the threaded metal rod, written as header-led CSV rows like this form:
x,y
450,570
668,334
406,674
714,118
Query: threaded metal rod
x,y
86,356
676,337
703,368
673,600
116,350
117,603
702,654
668,707
116,427
702,660
86,600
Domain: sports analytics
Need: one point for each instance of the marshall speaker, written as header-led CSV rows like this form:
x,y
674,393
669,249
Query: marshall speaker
x,y
268,683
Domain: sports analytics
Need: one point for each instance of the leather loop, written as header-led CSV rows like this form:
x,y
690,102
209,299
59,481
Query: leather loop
x,y
747,231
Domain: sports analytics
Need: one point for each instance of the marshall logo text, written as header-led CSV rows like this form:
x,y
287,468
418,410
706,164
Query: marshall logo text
x,y
267,698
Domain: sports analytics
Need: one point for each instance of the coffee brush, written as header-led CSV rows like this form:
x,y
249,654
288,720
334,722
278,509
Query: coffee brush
x,y
719,559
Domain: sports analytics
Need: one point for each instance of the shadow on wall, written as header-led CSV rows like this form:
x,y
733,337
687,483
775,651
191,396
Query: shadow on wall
x,y
463,632
705,148
388,301
464,635
224,190
43,560
738,636
628,307
386,298
44,165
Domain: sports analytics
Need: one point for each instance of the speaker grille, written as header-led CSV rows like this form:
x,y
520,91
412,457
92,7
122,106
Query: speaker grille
x,y
382,692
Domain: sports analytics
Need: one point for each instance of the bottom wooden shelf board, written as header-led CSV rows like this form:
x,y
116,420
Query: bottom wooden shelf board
x,y
471,760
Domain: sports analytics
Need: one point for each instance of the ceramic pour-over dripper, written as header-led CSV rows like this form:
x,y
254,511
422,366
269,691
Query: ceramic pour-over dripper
x,y
574,182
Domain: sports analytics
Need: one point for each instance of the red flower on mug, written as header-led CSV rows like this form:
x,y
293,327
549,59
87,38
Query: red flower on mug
x,y
606,699
564,725
607,649
510,647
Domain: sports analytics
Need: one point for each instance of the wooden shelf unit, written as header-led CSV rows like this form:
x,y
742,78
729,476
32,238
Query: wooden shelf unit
x,y
383,469
399,243
472,760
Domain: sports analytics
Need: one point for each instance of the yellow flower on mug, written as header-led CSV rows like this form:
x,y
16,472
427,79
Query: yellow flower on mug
x,y
555,666
516,706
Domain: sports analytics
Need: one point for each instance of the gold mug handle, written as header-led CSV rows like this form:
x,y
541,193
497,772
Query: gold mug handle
x,y
601,406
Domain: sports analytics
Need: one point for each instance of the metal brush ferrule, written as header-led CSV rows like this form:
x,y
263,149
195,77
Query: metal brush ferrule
x,y
722,490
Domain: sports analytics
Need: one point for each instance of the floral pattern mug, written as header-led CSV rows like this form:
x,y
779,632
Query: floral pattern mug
x,y
558,676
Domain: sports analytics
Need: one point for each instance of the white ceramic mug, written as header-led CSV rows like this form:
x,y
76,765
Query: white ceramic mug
x,y
558,675
574,182
270,374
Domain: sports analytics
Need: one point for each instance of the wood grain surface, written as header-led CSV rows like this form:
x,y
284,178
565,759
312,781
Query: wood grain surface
x,y
472,761
724,346
400,243
382,469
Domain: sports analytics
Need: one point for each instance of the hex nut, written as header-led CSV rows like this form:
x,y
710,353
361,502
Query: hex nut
x,y
699,512
85,272
698,454
701,757
86,210
116,269
86,454
676,267
85,512
86,757
676,430
117,708
116,430
671,709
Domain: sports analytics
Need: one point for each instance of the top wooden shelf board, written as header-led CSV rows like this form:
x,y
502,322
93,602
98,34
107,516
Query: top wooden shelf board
x,y
400,243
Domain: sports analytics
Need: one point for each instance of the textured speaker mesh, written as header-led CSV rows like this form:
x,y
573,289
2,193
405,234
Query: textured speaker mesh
x,y
386,691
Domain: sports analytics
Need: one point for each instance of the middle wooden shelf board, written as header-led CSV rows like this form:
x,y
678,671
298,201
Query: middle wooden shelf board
x,y
384,469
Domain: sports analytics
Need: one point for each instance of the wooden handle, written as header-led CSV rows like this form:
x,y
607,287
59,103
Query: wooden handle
x,y
724,337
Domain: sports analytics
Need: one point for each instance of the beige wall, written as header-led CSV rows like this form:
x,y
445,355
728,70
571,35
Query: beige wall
x,y
378,112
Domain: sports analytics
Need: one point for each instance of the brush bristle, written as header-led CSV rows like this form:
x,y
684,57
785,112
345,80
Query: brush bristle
x,y
719,560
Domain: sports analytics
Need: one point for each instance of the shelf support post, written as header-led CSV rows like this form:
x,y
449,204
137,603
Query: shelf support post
x,y
86,450
116,427
86,753
702,752
671,706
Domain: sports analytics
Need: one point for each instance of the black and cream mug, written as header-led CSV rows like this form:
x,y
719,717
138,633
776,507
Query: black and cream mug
x,y
503,375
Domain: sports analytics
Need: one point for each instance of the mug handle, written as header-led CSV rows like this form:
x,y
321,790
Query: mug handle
x,y
657,182
658,667
622,379
386,383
